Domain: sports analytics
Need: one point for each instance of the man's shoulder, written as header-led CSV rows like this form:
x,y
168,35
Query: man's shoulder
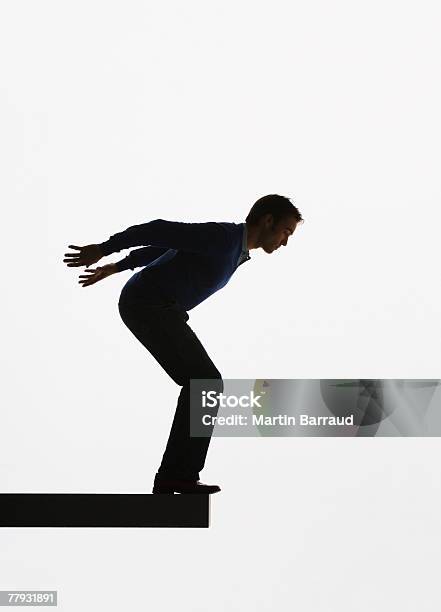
x,y
232,231
229,225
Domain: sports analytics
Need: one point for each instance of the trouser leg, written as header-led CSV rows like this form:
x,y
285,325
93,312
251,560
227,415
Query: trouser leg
x,y
184,456
165,333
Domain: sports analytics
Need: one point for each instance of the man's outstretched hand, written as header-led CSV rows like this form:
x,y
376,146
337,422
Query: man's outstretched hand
x,y
87,255
98,274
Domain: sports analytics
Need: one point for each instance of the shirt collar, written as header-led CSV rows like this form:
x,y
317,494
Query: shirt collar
x,y
244,241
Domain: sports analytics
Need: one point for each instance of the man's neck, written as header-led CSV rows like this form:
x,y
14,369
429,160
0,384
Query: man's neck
x,y
252,232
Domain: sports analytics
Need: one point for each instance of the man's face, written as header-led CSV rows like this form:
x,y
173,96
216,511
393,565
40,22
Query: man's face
x,y
274,235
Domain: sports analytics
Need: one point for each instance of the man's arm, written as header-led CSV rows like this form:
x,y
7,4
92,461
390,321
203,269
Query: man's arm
x,y
92,253
140,257
135,259
205,238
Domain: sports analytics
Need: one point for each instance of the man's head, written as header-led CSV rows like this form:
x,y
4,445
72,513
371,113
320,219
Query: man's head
x,y
271,221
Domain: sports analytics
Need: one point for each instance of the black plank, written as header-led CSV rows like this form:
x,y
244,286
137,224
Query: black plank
x,y
103,510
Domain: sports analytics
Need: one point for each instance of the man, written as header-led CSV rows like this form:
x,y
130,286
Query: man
x,y
183,265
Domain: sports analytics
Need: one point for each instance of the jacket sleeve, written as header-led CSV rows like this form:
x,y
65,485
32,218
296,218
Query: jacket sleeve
x,y
140,257
206,238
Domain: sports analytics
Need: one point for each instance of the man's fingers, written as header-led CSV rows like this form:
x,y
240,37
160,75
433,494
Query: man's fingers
x,y
72,246
76,264
89,279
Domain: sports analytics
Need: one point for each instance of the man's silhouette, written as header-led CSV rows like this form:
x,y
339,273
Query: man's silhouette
x,y
183,264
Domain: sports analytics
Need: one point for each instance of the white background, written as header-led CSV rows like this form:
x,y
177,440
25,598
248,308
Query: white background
x,y
117,113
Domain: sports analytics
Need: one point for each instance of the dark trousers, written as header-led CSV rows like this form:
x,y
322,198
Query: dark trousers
x,y
160,324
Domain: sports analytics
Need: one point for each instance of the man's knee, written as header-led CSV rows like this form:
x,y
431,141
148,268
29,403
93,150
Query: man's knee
x,y
213,376
215,382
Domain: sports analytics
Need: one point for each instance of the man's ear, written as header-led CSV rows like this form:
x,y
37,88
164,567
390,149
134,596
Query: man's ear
x,y
269,220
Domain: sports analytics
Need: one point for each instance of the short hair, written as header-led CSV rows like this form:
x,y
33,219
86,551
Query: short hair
x,y
276,205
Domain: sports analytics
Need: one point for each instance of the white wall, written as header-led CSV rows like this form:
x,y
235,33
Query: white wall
x,y
116,113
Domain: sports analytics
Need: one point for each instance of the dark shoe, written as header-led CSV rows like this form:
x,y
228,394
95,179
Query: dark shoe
x,y
184,486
